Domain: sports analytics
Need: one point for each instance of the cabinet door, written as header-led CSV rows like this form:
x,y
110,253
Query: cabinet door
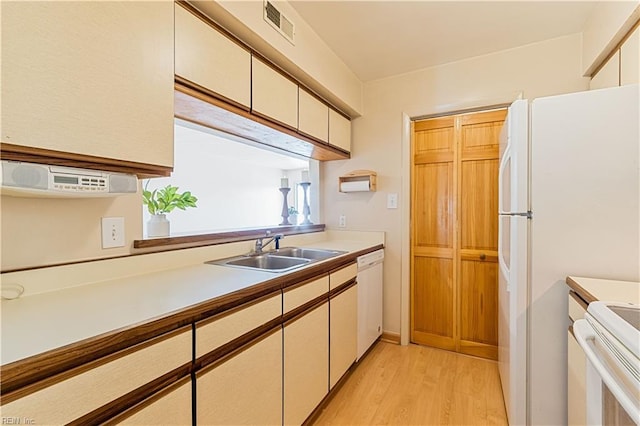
x,y
339,131
170,407
246,389
609,74
630,59
273,95
306,364
313,116
91,78
576,382
208,58
343,334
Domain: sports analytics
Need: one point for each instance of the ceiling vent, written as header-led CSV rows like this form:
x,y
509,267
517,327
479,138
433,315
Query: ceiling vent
x,y
278,21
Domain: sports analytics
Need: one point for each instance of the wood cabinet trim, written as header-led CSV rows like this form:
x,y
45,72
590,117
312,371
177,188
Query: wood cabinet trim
x,y
302,310
303,283
614,50
584,305
342,288
580,291
29,154
235,309
223,100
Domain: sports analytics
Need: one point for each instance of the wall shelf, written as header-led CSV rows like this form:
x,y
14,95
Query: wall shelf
x,y
358,181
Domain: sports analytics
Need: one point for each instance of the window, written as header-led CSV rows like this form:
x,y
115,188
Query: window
x,y
237,184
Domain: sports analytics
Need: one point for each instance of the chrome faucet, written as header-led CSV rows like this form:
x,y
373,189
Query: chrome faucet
x,y
260,245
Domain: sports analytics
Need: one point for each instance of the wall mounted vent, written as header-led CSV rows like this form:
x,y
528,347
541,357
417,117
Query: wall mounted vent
x,y
278,21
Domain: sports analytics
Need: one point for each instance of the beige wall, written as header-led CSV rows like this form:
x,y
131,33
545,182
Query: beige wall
x,y
540,69
607,24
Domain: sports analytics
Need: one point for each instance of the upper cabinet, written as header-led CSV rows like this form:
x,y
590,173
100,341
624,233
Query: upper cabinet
x,y
313,116
339,131
211,60
89,78
630,59
273,95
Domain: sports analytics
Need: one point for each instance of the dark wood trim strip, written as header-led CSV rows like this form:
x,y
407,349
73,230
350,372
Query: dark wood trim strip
x,y
342,288
43,374
613,52
580,291
27,154
224,101
122,404
302,310
229,350
279,123
571,331
30,370
575,296
136,408
304,282
215,238
250,303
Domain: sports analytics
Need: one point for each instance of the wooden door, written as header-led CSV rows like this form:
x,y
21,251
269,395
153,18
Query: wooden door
x,y
454,220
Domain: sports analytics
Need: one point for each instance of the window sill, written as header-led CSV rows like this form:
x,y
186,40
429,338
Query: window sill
x,y
213,238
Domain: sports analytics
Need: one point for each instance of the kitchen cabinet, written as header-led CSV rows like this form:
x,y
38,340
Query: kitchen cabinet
x,y
343,322
630,59
90,387
273,95
89,78
608,75
576,367
244,388
169,407
313,116
210,59
306,349
339,130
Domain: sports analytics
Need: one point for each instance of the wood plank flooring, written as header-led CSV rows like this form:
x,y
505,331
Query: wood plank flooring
x,y
418,385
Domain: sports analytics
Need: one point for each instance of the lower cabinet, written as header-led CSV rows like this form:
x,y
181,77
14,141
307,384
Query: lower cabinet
x,y
169,407
343,326
576,382
245,388
306,364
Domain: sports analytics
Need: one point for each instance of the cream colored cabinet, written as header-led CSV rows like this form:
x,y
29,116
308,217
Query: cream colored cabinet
x,y
84,390
245,389
608,75
576,382
211,60
313,116
273,95
93,78
344,333
169,407
630,59
306,364
339,131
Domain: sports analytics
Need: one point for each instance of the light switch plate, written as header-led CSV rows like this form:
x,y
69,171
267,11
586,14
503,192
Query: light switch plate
x,y
392,201
112,232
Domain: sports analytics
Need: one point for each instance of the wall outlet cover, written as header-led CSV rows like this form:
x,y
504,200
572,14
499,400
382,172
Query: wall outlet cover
x,y
342,223
112,232
392,201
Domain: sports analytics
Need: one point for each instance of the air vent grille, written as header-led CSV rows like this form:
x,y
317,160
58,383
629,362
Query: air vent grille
x,y
278,21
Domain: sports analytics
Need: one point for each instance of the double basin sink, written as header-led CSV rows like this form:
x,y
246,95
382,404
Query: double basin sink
x,y
281,260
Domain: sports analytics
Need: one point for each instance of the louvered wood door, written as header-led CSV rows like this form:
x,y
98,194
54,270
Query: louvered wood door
x,y
455,232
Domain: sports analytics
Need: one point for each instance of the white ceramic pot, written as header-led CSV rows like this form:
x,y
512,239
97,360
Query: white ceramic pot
x,y
158,226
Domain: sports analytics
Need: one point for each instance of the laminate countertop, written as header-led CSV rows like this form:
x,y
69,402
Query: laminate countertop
x,y
51,321
594,289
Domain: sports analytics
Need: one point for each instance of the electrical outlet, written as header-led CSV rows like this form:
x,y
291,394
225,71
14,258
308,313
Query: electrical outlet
x,y
112,232
343,221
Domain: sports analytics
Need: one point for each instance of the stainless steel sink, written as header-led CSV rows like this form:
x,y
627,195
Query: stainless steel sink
x,y
307,253
281,260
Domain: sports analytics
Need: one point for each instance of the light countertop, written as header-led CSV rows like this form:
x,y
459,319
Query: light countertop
x,y
35,324
594,289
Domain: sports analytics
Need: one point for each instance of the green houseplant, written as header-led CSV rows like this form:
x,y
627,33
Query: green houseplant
x,y
161,201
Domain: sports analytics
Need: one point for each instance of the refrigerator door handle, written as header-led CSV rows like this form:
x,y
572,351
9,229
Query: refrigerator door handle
x,y
503,164
501,262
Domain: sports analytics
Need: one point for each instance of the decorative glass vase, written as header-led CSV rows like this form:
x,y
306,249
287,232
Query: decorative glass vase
x,y
158,226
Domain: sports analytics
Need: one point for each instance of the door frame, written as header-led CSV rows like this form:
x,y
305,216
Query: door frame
x,y
405,193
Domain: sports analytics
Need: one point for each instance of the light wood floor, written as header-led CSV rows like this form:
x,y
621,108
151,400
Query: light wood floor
x,y
417,385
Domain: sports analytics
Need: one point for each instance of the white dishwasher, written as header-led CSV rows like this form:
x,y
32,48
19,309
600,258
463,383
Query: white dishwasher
x,y
369,300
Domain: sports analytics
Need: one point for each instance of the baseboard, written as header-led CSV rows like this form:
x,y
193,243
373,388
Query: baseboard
x,y
389,337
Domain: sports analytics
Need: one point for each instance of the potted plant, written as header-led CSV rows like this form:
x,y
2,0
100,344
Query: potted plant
x,y
293,215
161,201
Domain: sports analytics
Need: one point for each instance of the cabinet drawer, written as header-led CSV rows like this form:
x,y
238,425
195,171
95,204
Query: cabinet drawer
x,y
101,382
215,332
343,275
304,293
577,307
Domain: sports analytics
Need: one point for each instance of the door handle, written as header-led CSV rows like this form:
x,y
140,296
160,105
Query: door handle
x,y
483,256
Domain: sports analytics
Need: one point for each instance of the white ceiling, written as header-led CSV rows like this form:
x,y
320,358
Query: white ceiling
x,y
377,39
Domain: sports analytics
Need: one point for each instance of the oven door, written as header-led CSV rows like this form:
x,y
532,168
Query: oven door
x,y
613,392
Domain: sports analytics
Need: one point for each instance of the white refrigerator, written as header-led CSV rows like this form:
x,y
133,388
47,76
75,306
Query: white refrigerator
x,y
569,191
